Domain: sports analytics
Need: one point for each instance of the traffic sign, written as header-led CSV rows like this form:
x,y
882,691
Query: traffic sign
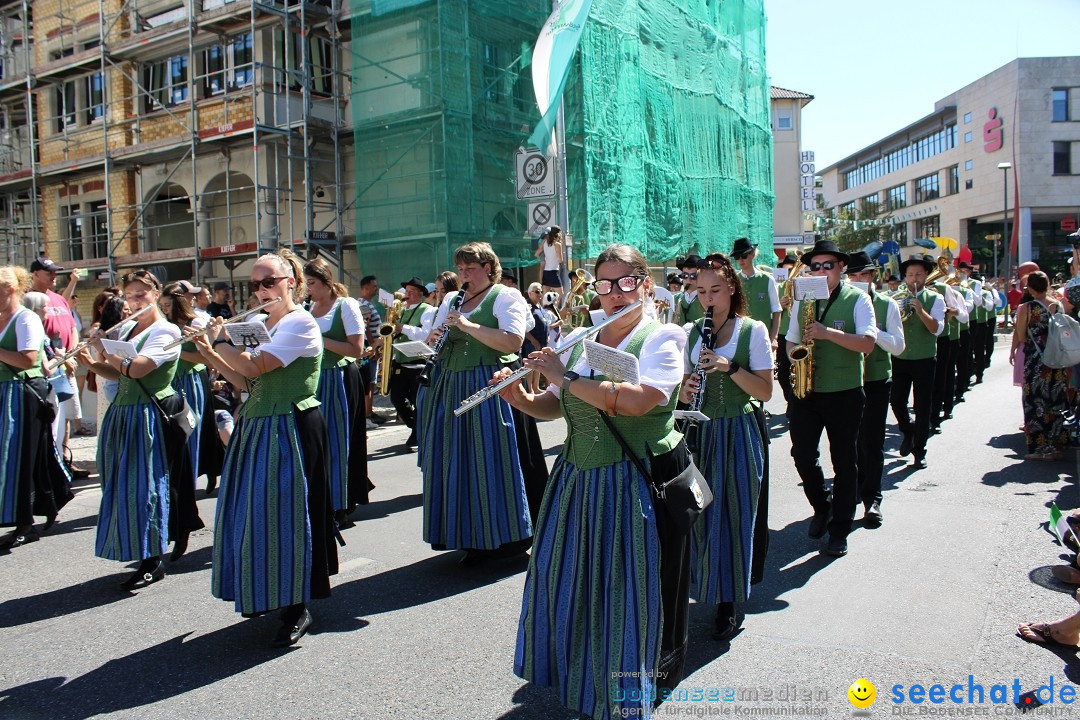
x,y
540,216
535,175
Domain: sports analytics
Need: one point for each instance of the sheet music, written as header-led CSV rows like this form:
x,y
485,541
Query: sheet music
x,y
618,365
414,349
865,287
120,348
247,334
814,287
780,274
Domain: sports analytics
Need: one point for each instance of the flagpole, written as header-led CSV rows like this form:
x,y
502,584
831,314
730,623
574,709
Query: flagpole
x,y
562,202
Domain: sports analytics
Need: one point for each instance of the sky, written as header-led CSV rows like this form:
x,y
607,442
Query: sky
x,y
876,67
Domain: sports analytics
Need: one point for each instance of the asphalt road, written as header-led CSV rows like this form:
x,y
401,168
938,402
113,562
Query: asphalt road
x,y
933,596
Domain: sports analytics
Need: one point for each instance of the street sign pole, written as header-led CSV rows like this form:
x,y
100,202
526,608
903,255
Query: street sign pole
x,y
562,206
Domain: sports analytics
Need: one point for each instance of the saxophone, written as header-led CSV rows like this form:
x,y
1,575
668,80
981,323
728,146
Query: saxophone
x,y
802,357
386,331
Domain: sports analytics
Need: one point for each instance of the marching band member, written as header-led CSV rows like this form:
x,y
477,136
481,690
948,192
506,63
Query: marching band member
x,y
475,481
762,298
403,383
274,535
193,384
340,400
738,363
32,481
944,397
687,307
843,330
136,447
877,378
964,359
783,365
603,550
913,369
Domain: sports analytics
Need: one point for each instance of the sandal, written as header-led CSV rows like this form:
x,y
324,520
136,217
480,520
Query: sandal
x,y
1039,634
1066,574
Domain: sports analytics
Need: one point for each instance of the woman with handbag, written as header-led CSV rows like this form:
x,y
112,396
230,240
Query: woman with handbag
x,y
137,445
737,363
1044,396
607,562
274,533
32,480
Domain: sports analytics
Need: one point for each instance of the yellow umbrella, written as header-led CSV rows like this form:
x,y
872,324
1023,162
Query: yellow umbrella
x,y
947,245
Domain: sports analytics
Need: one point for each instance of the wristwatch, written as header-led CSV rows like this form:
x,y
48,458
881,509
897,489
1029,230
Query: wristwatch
x,y
568,377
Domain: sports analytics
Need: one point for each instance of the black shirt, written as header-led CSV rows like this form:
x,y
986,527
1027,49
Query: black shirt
x,y
219,310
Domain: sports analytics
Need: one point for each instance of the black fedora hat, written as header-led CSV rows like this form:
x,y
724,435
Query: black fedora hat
x,y
927,261
859,261
741,247
692,261
824,247
417,283
962,265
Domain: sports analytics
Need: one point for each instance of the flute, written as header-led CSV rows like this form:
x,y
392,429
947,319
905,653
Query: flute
x,y
203,330
50,367
492,390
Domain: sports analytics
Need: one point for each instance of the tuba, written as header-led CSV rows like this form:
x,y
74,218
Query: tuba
x,y
386,332
802,357
574,308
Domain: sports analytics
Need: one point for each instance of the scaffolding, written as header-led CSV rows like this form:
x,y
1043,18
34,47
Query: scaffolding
x,y
187,136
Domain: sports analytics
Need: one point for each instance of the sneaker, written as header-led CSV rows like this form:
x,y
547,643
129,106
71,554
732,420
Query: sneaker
x,y
371,425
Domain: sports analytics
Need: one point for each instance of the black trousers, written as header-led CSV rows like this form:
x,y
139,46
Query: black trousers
x,y
988,339
783,367
963,364
978,349
872,440
403,389
839,414
906,376
941,369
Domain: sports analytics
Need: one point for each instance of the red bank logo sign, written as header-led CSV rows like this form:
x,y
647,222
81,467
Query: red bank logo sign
x,y
993,137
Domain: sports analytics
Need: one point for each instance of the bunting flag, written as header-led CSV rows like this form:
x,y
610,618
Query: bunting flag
x,y
551,62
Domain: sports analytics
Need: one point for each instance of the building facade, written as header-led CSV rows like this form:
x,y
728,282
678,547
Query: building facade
x,y
789,214
940,176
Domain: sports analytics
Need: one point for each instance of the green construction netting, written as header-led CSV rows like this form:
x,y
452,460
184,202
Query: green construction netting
x,y
667,128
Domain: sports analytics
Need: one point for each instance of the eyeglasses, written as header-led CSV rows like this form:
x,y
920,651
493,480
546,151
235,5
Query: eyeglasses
x,y
827,265
266,283
627,283
688,276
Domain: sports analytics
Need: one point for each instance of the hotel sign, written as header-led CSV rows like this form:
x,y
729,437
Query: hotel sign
x,y
807,171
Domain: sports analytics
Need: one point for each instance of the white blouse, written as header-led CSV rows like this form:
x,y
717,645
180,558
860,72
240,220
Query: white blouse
x,y
29,331
660,364
510,309
156,337
761,357
351,317
296,336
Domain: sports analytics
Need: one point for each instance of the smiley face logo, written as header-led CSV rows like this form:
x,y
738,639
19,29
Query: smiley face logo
x,y
862,693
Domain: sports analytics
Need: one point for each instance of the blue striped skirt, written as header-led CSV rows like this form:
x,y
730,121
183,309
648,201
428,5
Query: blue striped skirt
x,y
133,519
591,615
721,541
262,535
190,386
15,466
474,490
335,408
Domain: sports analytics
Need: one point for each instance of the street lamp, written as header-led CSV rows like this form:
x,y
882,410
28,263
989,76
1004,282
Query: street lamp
x,y
1004,219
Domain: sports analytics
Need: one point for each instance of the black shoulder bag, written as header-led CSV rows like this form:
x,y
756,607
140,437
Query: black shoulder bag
x,y
183,421
683,497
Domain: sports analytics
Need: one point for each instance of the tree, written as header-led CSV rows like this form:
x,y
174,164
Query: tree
x,y
853,227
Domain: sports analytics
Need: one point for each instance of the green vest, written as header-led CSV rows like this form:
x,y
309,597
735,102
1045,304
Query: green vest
x,y
278,391
964,326
410,317
183,367
689,311
920,343
589,443
878,364
756,289
158,382
462,352
837,368
785,313
336,332
10,342
723,397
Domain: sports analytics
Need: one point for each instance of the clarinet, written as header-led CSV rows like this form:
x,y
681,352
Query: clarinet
x,y
425,375
692,431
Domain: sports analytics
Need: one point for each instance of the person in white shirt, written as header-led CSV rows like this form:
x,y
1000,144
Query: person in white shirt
x,y
551,250
415,324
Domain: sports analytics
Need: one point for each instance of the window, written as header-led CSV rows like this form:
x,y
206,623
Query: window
x,y
289,61
166,82
847,208
71,224
1060,105
968,164
242,52
928,227
99,229
967,118
897,197
938,142
214,63
954,179
229,67
926,188
1062,164
967,136
95,97
899,234
491,74
783,120
869,200
65,106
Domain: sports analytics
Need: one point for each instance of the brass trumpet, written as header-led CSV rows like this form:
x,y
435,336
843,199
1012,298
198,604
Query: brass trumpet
x,y
386,332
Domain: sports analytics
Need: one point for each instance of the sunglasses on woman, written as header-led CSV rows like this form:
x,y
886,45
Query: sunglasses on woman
x,y
627,283
266,283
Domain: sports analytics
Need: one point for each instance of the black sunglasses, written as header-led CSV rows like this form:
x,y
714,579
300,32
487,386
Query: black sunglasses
x,y
827,265
627,283
266,283
688,276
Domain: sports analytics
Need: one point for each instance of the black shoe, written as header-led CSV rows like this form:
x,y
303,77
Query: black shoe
x,y
935,430
978,381
290,632
179,547
410,443
473,557
919,462
818,523
211,486
376,418
873,517
252,615
18,538
948,415
905,445
77,472
837,547
141,578
959,399
342,520
727,622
